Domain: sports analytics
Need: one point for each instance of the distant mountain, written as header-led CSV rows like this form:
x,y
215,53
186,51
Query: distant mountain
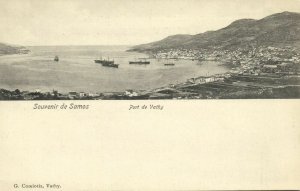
x,y
281,29
10,49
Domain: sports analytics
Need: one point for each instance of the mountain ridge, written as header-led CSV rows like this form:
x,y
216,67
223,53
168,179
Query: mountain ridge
x,y
280,29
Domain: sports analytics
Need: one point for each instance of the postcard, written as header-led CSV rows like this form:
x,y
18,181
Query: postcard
x,y
149,95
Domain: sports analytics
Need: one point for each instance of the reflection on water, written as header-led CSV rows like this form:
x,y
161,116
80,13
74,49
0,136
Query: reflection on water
x,y
76,70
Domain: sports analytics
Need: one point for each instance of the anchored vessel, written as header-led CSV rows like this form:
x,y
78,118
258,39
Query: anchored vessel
x,y
56,59
101,61
139,62
107,63
169,64
110,64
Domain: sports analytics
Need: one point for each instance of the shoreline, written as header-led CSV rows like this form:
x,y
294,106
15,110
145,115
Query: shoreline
x,y
249,77
219,86
148,82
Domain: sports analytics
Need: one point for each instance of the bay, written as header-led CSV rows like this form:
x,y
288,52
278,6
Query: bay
x,y
76,70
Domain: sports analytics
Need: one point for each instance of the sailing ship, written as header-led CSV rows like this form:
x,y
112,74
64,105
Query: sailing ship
x,y
56,59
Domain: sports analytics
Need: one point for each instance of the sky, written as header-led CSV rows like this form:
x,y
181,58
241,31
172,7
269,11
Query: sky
x,y
123,22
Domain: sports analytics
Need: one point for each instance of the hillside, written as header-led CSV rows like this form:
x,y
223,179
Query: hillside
x,y
9,49
281,29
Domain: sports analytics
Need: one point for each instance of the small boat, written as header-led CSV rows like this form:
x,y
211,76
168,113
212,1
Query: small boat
x,y
56,59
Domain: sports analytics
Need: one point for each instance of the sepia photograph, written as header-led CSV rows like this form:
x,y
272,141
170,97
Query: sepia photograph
x,y
149,95
195,49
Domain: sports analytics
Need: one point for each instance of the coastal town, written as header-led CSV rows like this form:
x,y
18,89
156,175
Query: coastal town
x,y
263,72
261,57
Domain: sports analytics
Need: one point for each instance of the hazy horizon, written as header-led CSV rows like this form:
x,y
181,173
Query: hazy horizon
x,y
124,45
123,23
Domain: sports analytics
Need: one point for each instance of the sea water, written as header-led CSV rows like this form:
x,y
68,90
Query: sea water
x,y
77,71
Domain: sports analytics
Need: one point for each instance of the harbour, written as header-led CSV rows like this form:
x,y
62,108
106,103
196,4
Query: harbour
x,y
77,71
